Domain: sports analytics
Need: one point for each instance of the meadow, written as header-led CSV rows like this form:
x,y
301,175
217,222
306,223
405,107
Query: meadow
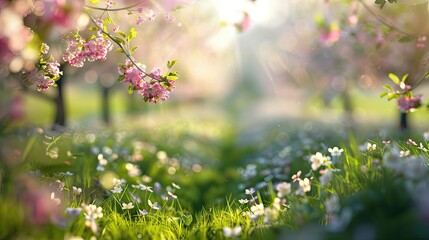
x,y
213,178
277,128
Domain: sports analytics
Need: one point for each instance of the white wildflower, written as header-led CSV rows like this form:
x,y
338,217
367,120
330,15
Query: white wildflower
x,y
77,191
421,147
231,232
171,195
405,153
175,185
305,185
318,160
117,189
256,211
371,147
335,151
283,189
154,205
127,206
250,191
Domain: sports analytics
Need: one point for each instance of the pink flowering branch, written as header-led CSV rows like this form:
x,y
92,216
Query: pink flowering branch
x,y
124,50
384,22
425,77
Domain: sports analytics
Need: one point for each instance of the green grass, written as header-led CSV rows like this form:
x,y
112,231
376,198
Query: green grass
x,y
213,163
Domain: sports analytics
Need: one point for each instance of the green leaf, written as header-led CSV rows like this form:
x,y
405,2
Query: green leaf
x,y
404,77
394,78
119,50
121,78
387,87
405,39
381,2
93,28
383,94
120,40
130,89
133,49
94,1
409,94
174,78
170,64
107,20
391,96
122,34
132,34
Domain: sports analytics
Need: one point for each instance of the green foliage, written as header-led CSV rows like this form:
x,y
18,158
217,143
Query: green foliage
x,y
383,2
208,198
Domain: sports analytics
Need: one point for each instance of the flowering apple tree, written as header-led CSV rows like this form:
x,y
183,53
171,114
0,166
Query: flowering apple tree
x,y
28,25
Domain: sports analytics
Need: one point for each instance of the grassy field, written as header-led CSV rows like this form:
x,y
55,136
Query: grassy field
x,y
193,170
212,179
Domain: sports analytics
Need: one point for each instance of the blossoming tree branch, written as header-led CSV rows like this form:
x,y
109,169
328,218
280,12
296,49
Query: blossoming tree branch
x,y
44,71
381,30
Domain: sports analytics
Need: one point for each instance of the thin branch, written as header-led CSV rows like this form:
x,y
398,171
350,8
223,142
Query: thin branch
x,y
115,9
127,54
384,22
425,77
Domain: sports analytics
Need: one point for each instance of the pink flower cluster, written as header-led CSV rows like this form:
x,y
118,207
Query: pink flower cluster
x,y
150,86
405,104
45,73
80,50
62,13
330,37
44,78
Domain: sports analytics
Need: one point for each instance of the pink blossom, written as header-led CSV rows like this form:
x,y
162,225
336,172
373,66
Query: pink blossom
x,y
329,37
151,15
43,78
170,17
14,35
132,74
353,20
156,72
109,3
155,92
79,50
45,48
153,89
406,104
244,25
140,20
62,12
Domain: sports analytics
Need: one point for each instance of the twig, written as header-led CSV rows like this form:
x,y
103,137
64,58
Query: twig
x,y
115,9
380,19
127,54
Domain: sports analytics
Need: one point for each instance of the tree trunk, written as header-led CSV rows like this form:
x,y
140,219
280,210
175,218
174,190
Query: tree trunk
x,y
105,105
60,115
403,123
